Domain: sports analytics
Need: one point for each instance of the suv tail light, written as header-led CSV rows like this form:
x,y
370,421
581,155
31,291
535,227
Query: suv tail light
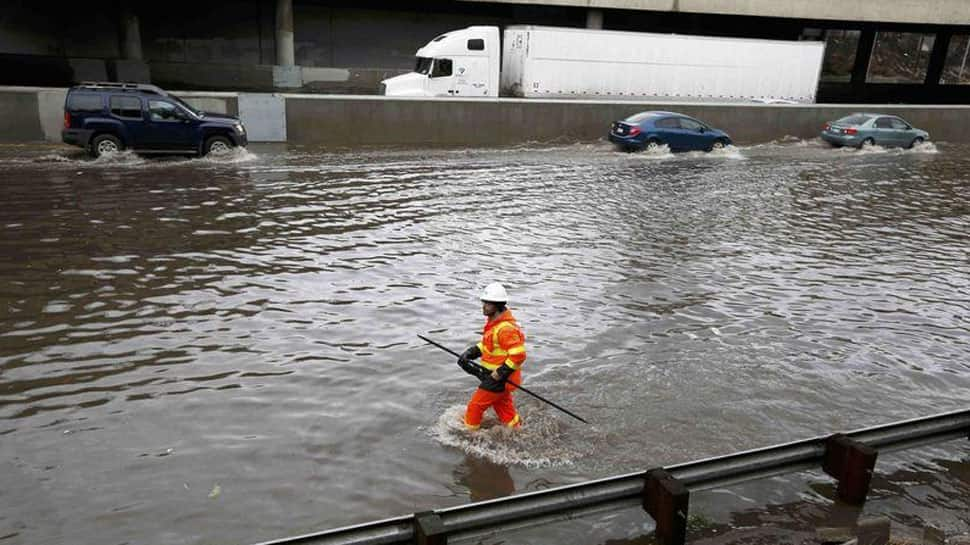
x,y
849,131
634,131
67,120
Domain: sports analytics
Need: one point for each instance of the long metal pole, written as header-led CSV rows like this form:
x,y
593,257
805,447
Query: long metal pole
x,y
519,386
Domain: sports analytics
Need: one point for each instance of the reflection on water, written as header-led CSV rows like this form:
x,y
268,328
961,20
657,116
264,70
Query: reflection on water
x,y
484,480
247,324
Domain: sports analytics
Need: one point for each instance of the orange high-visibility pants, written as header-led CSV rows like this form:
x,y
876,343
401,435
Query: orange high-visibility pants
x,y
501,402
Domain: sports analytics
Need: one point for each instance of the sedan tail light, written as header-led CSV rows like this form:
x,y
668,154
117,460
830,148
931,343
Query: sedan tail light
x,y
634,131
849,131
826,127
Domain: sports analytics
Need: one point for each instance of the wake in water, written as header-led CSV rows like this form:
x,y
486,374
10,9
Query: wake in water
x,y
928,148
540,442
130,159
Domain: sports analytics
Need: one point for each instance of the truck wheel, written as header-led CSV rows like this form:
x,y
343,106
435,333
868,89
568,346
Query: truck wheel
x,y
217,145
105,143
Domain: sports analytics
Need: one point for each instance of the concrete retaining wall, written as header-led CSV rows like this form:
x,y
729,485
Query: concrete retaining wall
x,y
35,114
347,121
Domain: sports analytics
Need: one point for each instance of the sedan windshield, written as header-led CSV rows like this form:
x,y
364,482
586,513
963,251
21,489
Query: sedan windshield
x,y
423,65
853,120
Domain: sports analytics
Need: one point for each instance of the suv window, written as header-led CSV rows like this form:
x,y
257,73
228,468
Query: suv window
x,y
442,67
83,102
668,123
129,107
159,110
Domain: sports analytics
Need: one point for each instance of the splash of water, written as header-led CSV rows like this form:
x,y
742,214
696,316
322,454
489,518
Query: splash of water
x,y
540,442
660,153
120,158
727,152
924,147
232,156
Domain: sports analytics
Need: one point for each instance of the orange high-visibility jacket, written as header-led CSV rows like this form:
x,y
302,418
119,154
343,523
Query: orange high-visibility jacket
x,y
503,343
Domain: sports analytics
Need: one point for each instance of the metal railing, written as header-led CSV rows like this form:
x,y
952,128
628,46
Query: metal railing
x,y
623,491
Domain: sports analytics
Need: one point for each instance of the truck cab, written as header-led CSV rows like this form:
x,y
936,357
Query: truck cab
x,y
461,63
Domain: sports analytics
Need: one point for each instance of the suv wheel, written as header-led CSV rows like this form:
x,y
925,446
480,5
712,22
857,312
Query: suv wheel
x,y
217,145
105,143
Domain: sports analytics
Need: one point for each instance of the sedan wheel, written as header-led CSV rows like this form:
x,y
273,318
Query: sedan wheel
x,y
652,145
916,141
718,144
867,143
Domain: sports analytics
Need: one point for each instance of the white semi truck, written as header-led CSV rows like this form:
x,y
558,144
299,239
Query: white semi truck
x,y
564,63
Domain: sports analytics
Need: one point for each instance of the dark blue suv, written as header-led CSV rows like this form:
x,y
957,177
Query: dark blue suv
x,y
109,117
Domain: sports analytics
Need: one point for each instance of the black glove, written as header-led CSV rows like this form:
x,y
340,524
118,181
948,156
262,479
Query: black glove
x,y
464,360
504,372
493,385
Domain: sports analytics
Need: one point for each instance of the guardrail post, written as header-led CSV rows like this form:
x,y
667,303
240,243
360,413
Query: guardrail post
x,y
428,529
666,500
851,463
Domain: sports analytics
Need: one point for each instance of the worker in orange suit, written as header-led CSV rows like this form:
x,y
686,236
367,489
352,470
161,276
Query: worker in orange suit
x,y
502,350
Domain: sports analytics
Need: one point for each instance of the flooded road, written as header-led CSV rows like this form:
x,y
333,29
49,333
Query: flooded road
x,y
224,351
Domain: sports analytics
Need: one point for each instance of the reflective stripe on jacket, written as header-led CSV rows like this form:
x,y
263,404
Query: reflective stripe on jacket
x,y
503,343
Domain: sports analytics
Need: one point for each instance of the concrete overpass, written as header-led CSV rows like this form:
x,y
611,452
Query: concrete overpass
x,y
927,12
896,51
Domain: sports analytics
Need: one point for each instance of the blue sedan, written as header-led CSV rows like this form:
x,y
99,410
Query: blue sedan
x,y
650,130
873,129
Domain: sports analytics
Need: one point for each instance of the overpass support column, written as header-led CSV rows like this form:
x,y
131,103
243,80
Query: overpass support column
x,y
594,18
285,55
131,34
867,39
937,58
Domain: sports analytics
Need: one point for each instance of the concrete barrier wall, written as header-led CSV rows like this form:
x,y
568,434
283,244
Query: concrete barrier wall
x,y
20,116
35,114
348,121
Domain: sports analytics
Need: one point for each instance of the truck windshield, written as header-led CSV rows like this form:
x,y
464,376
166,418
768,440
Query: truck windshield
x,y
423,65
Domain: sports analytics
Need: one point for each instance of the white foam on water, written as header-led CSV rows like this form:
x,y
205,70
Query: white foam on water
x,y
120,158
727,152
928,148
539,442
660,153
924,147
232,156
789,141
53,158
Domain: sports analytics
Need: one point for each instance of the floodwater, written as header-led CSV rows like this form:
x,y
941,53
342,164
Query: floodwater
x,y
217,351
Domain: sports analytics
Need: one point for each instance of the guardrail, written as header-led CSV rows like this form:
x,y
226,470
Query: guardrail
x,y
663,492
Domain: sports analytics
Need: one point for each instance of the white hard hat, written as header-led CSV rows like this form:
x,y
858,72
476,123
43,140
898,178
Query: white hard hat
x,y
495,293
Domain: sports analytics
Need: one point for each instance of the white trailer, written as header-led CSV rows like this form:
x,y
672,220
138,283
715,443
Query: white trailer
x,y
550,62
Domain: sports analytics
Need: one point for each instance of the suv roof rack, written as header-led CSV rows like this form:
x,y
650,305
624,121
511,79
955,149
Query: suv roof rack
x,y
122,86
